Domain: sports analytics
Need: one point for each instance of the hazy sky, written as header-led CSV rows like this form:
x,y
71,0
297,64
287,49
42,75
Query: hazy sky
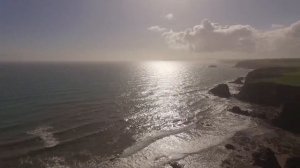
x,y
87,30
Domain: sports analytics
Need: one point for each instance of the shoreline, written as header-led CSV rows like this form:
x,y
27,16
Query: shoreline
x,y
248,147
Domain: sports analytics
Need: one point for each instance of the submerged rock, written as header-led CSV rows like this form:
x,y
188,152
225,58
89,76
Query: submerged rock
x,y
175,165
265,158
221,90
238,110
229,146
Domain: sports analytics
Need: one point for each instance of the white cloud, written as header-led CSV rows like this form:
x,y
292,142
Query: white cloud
x,y
213,37
169,16
277,26
157,29
284,41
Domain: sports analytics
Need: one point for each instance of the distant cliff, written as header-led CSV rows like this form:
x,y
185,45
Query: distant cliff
x,y
264,63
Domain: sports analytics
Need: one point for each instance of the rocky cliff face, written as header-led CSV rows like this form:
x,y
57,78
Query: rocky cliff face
x,y
261,91
269,93
289,118
221,90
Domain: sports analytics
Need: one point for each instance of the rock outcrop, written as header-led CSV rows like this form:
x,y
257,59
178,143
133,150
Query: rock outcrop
x,y
229,147
238,110
221,90
239,81
175,165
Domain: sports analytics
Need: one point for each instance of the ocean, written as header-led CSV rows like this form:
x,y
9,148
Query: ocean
x,y
113,114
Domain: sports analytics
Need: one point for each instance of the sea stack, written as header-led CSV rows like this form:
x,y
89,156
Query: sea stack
x,y
221,90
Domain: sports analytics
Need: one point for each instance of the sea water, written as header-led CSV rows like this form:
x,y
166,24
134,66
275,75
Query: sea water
x,y
113,114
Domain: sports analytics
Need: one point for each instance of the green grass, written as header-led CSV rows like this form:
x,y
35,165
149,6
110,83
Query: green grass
x,y
288,78
292,79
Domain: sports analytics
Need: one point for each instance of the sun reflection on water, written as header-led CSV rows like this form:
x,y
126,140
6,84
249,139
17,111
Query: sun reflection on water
x,y
165,82
164,67
174,119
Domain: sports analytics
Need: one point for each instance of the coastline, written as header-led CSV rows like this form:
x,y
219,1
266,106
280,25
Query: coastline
x,y
241,134
268,144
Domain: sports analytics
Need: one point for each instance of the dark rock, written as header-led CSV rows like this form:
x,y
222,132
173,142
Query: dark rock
x,y
175,165
239,156
221,90
237,110
259,115
229,146
265,158
238,80
213,66
246,149
293,162
289,117
112,159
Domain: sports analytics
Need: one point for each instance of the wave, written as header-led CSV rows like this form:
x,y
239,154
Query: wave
x,y
19,142
46,138
148,140
46,135
159,147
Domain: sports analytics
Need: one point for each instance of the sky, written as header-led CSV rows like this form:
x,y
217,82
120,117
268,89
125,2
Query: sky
x,y
95,30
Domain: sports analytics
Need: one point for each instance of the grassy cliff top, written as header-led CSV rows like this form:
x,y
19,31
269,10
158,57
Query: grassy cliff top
x,y
291,78
280,71
280,75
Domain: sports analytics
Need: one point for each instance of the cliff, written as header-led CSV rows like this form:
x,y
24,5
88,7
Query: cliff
x,y
277,87
270,86
264,63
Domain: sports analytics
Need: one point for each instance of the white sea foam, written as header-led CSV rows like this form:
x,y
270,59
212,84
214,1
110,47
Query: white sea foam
x,y
55,162
146,141
46,135
160,148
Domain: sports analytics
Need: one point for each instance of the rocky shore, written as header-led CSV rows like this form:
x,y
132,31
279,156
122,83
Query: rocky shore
x,y
281,147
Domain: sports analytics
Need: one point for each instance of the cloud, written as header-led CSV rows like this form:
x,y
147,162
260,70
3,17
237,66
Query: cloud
x,y
157,29
212,37
169,16
277,26
284,41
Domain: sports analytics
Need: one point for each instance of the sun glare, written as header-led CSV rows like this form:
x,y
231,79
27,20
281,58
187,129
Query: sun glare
x,y
164,67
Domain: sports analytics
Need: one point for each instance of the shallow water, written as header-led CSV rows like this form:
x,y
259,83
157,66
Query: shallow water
x,y
111,114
